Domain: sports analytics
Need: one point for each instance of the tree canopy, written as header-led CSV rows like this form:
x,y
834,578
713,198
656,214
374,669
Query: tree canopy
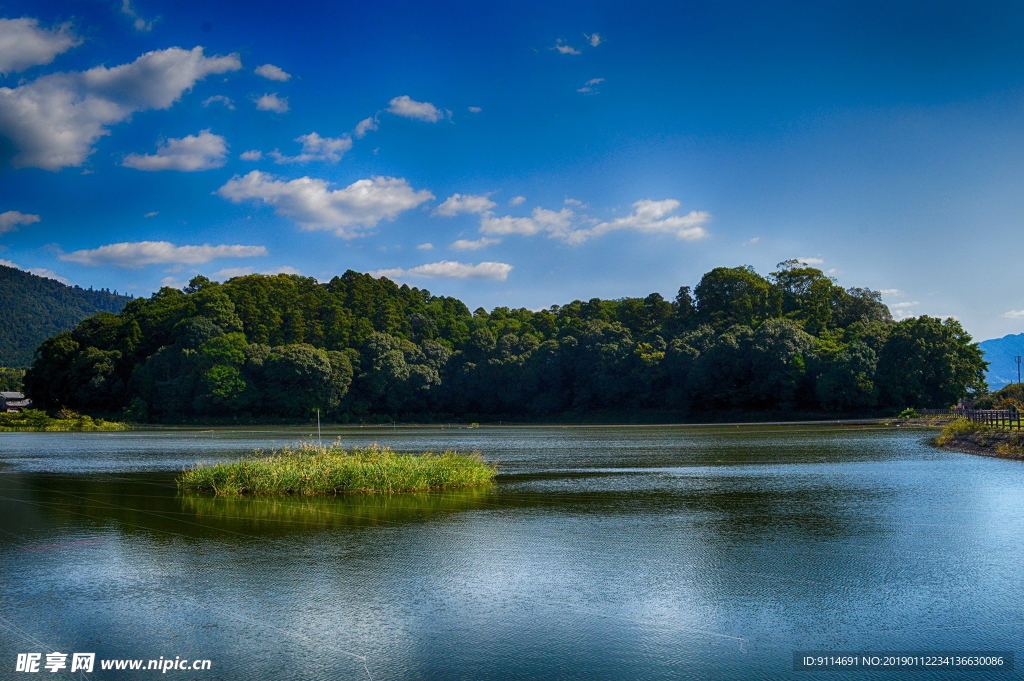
x,y
359,347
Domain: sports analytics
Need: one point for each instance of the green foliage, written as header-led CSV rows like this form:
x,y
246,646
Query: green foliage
x,y
312,469
285,346
34,308
928,362
34,419
10,379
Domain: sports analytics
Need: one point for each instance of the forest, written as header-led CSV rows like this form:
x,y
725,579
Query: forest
x,y
33,308
359,348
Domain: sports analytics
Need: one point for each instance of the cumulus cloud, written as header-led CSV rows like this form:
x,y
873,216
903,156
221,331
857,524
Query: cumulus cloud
x,y
271,102
410,108
810,261
310,203
54,120
271,72
10,220
475,245
574,202
555,224
364,126
221,99
650,217
589,85
140,24
517,200
1013,314
425,247
8,263
475,109
316,148
450,269
230,272
891,292
562,48
190,153
464,203
594,39
251,155
24,44
140,253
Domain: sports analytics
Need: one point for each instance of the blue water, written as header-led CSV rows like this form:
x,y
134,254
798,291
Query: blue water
x,y
601,553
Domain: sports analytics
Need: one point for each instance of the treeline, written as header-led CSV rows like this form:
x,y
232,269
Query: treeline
x,y
34,308
362,348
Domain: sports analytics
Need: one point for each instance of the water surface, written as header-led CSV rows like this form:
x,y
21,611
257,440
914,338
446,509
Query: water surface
x,y
601,553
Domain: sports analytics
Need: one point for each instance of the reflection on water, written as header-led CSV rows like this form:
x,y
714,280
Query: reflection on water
x,y
639,553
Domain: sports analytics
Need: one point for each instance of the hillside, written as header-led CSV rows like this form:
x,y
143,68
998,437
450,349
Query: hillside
x,y
1000,353
34,308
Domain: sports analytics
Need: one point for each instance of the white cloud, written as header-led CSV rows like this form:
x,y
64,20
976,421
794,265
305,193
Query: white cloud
x,y
10,220
467,245
410,108
139,253
251,155
151,214
450,269
316,148
649,217
190,153
517,200
271,102
751,241
140,24
425,247
54,120
891,292
594,39
564,49
8,263
309,202
23,44
556,224
230,272
271,72
171,282
364,126
464,203
810,261
49,274
475,109
1013,314
226,101
574,202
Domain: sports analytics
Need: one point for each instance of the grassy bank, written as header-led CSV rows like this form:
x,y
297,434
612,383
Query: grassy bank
x,y
313,469
962,435
64,421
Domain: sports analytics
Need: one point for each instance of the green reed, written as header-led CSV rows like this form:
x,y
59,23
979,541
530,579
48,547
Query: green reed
x,y
316,469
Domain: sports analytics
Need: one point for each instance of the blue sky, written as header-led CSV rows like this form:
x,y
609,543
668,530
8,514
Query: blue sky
x,y
520,154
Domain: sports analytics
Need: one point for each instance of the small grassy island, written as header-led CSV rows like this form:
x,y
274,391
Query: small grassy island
x,y
63,421
962,435
316,469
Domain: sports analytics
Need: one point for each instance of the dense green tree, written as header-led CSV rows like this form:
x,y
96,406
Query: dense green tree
x,y
283,346
928,362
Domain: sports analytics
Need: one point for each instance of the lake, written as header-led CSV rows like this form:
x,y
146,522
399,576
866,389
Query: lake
x,y
601,553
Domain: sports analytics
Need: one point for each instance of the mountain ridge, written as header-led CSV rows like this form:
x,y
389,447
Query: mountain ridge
x,y
34,308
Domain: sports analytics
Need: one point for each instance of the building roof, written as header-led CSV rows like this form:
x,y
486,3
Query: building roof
x,y
12,396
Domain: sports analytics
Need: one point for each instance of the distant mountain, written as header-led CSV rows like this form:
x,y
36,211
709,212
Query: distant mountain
x,y
33,308
1001,355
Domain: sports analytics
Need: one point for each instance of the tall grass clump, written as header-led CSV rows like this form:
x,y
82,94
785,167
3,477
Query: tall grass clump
x,y
64,420
961,427
316,469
